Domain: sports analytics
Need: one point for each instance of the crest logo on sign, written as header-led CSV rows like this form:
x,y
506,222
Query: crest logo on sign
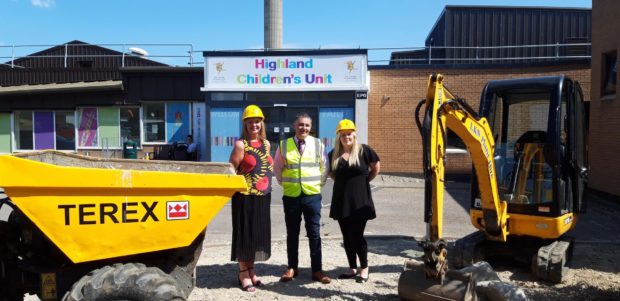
x,y
177,210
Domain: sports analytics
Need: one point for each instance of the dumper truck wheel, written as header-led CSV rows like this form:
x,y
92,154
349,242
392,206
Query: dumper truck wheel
x,y
131,281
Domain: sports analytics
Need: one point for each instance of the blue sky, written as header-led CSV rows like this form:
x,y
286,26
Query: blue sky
x,y
228,24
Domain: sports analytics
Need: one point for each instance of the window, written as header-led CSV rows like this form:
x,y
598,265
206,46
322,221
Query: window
x,y
109,129
178,121
154,122
610,70
226,96
519,118
65,130
24,130
5,133
87,131
38,130
130,124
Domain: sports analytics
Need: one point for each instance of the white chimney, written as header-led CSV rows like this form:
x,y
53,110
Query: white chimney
x,y
273,24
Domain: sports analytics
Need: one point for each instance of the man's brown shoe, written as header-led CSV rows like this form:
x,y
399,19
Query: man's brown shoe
x,y
288,275
319,276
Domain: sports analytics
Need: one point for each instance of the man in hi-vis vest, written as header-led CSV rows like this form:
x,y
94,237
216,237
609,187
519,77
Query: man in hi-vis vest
x,y
299,167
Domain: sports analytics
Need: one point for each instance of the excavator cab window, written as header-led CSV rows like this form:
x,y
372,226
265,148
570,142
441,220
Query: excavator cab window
x,y
519,121
579,155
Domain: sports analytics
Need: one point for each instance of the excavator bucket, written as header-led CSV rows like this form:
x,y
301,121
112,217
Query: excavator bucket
x,y
473,283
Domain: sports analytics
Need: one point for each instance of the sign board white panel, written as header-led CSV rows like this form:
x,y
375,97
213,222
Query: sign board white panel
x,y
285,73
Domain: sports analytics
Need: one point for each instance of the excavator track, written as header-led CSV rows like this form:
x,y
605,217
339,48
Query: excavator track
x,y
468,250
551,261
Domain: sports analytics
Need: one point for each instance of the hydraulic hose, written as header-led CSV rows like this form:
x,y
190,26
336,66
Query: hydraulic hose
x,y
417,115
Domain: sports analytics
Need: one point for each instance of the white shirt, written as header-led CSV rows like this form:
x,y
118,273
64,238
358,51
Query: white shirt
x,y
191,148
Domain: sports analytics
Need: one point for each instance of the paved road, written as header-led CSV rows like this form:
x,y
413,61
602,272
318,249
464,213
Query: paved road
x,y
399,205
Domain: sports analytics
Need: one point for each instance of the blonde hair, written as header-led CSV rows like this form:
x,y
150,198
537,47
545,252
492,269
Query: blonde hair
x,y
262,134
354,156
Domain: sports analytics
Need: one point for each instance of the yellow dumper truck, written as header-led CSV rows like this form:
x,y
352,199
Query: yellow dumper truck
x,y
83,228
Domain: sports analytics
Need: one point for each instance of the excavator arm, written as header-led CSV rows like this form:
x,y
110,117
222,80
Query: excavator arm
x,y
443,112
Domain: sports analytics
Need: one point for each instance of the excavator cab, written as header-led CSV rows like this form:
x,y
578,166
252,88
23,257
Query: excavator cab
x,y
539,127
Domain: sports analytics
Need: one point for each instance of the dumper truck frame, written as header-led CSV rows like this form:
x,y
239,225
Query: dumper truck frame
x,y
82,228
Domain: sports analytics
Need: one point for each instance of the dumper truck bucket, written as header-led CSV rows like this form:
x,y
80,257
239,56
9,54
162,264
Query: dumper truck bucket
x,y
94,209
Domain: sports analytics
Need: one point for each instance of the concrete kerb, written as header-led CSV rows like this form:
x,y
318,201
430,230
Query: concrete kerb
x,y
390,181
396,181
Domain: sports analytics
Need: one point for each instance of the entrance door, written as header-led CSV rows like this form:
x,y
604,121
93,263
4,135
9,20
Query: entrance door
x,y
279,123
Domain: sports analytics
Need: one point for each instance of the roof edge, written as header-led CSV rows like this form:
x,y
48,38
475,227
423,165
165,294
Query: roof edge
x,y
62,87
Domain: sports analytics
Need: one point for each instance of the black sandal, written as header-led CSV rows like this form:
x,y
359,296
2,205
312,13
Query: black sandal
x,y
348,276
248,288
258,283
361,279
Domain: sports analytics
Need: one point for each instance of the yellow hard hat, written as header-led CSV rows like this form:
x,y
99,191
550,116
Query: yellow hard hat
x,y
252,111
345,124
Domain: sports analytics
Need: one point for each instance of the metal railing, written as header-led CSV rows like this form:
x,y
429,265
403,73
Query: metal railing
x,y
490,54
163,53
185,55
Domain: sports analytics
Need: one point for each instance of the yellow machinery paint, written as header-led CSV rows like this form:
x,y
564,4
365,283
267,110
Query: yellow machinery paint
x,y
527,225
96,213
478,137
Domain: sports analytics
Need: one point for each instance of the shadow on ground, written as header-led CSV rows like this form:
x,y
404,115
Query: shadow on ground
x,y
208,278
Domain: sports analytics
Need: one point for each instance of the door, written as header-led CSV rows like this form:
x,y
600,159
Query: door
x,y
578,149
279,123
225,130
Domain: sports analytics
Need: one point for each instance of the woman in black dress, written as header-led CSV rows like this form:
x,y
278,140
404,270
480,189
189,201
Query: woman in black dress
x,y
251,238
353,166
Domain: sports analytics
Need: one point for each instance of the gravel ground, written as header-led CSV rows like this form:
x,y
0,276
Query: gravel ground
x,y
594,274
217,275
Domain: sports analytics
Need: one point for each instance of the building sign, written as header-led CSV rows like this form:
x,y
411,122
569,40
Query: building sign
x,y
200,132
282,73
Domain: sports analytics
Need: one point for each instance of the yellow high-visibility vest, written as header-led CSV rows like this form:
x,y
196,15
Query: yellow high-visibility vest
x,y
301,172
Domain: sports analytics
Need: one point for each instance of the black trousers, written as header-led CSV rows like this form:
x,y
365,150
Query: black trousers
x,y
308,206
355,245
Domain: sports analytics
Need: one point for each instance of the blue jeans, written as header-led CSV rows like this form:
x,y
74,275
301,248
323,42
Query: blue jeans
x,y
310,207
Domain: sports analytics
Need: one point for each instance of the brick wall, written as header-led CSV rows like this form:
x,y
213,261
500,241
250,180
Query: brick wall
x,y
604,139
394,94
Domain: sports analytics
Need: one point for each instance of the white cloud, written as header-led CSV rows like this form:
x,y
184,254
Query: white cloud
x,y
43,3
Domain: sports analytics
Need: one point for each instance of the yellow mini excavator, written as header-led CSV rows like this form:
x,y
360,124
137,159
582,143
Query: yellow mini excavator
x,y
528,149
